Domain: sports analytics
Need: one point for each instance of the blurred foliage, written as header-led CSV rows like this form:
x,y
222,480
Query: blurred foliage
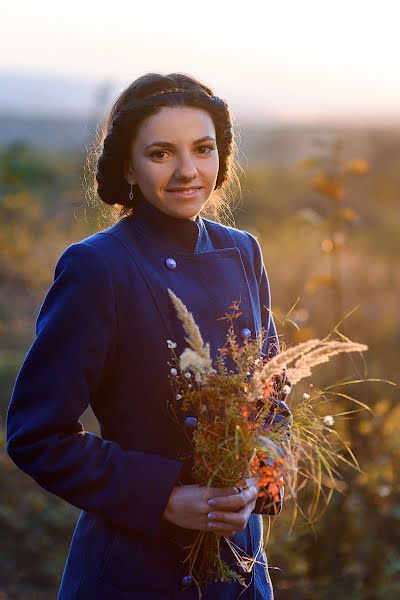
x,y
335,250
330,232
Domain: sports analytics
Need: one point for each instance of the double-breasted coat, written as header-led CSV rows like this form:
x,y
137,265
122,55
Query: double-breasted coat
x,y
101,337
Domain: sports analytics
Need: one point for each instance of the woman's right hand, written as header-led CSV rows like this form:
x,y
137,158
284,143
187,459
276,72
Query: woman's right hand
x,y
188,507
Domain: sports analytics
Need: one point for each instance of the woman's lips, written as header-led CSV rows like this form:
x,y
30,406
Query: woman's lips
x,y
181,194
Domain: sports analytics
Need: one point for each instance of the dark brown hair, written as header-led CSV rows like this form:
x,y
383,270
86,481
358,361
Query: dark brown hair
x,y
142,98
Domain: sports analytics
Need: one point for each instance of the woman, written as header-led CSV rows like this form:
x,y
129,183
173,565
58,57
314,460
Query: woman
x,y
101,339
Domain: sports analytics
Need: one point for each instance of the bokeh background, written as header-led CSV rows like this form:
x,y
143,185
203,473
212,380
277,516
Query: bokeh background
x,y
315,91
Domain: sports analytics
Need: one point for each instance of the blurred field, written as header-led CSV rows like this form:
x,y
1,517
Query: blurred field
x,y
326,264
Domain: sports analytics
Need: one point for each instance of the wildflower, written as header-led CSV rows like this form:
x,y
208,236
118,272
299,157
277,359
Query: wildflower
x,y
306,396
309,215
178,397
267,391
384,491
329,186
198,363
358,166
188,375
329,421
173,371
286,389
301,315
171,344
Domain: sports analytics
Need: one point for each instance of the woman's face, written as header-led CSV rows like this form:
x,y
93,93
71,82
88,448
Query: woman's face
x,y
174,160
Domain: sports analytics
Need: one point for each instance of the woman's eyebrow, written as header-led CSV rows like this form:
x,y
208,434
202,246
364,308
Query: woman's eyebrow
x,y
169,145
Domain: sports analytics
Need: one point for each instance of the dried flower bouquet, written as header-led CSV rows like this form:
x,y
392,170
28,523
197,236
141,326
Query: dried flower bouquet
x,y
242,428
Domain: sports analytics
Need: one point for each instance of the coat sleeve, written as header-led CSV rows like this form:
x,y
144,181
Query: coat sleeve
x,y
280,412
73,347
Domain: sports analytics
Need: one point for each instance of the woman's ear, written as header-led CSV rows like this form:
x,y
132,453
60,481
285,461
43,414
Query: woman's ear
x,y
128,172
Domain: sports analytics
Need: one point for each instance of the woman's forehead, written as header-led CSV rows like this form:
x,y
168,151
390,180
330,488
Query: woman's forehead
x,y
171,123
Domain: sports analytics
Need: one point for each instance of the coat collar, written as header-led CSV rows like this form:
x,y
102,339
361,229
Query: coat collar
x,y
179,234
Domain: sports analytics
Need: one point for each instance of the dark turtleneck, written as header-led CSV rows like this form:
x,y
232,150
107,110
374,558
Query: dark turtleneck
x,y
174,233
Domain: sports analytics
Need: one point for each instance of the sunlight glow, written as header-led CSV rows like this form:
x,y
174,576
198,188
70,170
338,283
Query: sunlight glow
x,y
286,59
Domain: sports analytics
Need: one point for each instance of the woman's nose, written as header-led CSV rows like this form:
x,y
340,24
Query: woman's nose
x,y
186,168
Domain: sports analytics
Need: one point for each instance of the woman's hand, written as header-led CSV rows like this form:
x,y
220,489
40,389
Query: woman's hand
x,y
242,503
221,510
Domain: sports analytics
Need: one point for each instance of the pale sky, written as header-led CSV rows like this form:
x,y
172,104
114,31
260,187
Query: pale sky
x,y
299,60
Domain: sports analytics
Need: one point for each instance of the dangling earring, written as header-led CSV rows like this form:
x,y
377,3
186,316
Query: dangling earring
x,y
131,193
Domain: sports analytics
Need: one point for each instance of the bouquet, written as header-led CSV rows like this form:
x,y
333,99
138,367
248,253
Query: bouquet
x,y
241,427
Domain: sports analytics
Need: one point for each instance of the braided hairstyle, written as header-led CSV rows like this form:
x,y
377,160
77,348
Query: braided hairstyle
x,y
141,99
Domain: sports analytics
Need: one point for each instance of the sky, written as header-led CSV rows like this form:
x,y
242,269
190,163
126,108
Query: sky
x,y
272,60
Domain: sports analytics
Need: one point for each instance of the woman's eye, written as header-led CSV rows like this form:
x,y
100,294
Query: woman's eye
x,y
153,154
210,148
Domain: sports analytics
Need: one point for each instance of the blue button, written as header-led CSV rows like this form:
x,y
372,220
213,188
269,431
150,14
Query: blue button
x,y
170,263
191,422
245,333
186,580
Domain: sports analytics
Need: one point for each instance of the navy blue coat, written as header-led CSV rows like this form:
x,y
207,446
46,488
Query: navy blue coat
x,y
101,340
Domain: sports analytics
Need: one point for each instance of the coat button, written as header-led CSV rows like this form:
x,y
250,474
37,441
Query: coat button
x,y
170,263
186,580
245,333
190,422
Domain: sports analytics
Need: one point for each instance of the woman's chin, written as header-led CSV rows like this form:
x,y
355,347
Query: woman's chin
x,y
186,209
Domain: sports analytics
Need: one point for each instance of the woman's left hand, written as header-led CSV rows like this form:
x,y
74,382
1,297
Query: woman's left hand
x,y
229,514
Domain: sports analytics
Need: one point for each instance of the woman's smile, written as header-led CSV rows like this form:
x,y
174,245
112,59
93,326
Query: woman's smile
x,y
182,193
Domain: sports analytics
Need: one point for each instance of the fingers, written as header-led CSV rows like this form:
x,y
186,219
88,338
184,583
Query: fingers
x,y
251,480
228,521
234,502
223,529
228,509
223,491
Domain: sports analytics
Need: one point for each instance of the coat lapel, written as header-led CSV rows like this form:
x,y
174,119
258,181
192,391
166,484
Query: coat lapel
x,y
199,261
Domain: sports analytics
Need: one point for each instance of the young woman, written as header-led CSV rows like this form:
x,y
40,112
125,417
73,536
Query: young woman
x,y
101,338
